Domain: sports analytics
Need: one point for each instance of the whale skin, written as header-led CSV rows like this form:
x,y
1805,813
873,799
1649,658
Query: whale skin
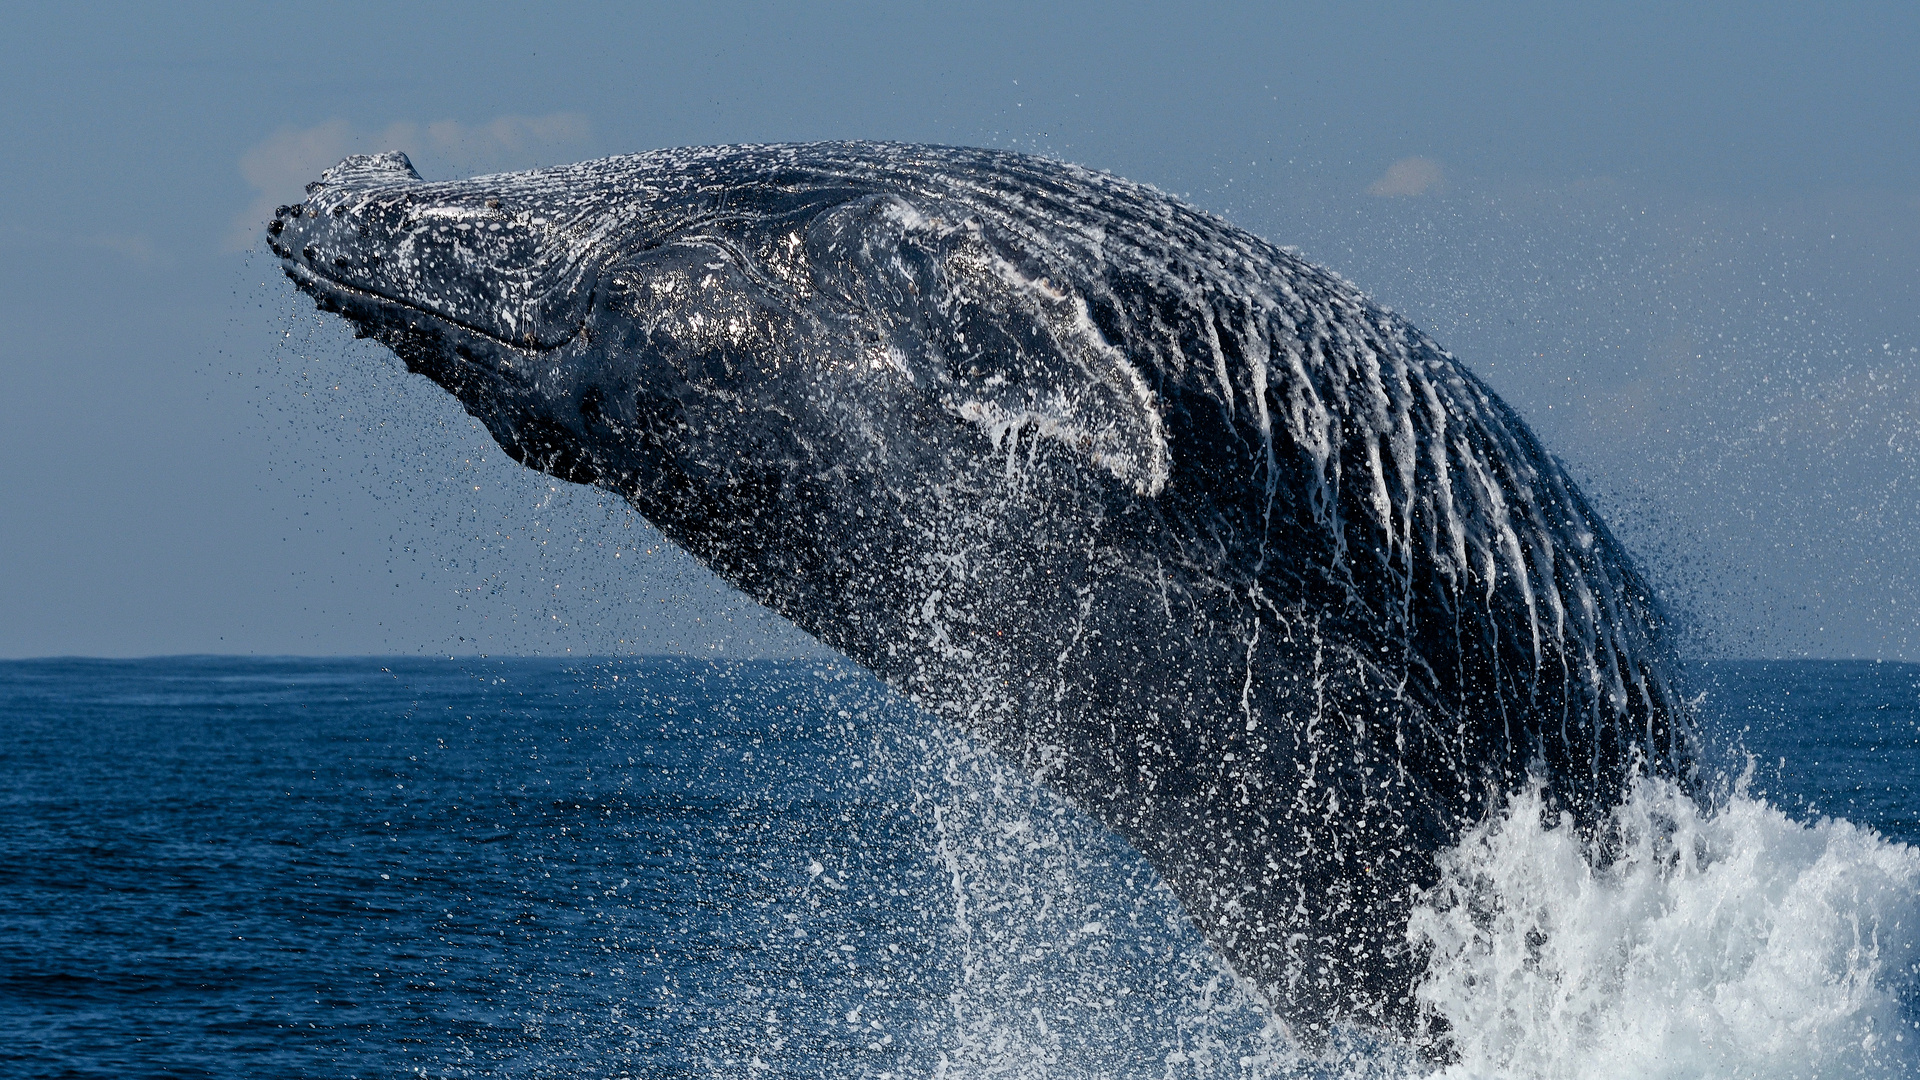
x,y
1244,565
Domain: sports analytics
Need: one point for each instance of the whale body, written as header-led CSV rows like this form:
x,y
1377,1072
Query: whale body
x,y
1244,565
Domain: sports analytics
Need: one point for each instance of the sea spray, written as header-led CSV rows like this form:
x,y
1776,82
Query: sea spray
x,y
1068,956
1727,941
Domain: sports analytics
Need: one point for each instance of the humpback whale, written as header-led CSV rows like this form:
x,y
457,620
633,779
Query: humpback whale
x,y
1244,565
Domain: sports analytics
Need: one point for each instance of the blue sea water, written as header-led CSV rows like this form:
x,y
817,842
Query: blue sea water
x,y
219,867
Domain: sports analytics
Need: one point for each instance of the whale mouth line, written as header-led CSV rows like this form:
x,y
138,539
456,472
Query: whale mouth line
x,y
311,278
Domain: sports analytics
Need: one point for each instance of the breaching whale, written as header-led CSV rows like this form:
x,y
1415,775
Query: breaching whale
x,y
1244,565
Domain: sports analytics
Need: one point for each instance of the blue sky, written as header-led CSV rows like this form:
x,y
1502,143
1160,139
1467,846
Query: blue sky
x,y
1685,244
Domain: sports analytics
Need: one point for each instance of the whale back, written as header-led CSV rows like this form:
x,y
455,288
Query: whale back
x,y
1243,564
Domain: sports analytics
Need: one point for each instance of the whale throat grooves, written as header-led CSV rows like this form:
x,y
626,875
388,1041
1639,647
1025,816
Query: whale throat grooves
x,y
1244,565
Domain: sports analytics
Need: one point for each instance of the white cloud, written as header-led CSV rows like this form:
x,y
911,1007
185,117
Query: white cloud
x,y
1408,176
279,167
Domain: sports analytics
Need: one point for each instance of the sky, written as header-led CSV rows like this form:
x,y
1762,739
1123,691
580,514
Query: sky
x,y
1682,240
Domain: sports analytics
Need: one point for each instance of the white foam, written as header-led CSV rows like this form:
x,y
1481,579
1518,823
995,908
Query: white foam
x,y
1730,942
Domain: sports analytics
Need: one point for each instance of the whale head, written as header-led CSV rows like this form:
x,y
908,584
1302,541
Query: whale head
x,y
373,237
571,308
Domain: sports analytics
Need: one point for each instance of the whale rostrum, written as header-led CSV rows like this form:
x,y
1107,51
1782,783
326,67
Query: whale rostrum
x,y
1242,564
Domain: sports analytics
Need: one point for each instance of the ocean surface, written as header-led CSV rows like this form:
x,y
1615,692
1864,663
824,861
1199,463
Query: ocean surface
x,y
218,867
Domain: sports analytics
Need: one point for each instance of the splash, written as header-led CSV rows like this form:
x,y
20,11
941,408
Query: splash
x,y
1070,957
1680,940
1683,942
